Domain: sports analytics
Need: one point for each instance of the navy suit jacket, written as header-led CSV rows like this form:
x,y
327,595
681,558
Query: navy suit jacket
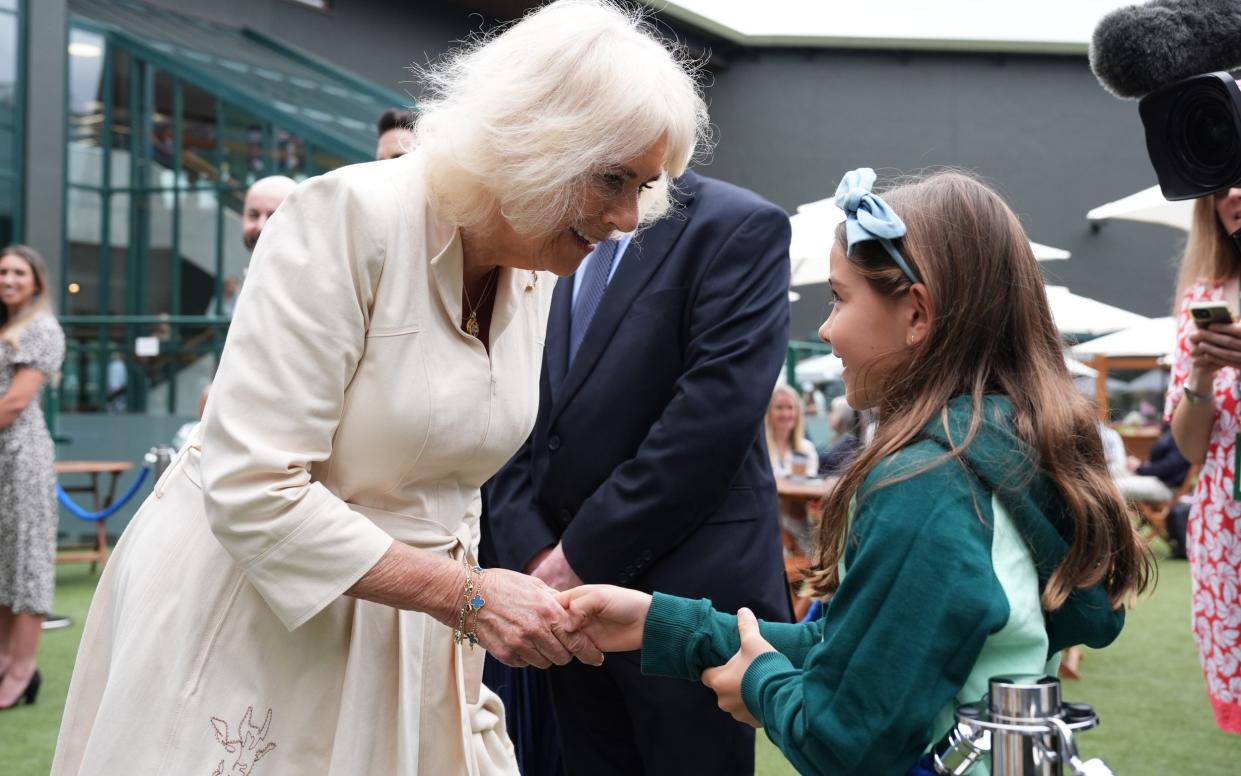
x,y
648,460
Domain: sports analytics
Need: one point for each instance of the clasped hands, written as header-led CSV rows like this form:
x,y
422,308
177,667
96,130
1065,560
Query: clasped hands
x,y
612,619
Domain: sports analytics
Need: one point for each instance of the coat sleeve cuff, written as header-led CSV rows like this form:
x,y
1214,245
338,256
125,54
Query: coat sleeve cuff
x,y
669,635
762,668
315,564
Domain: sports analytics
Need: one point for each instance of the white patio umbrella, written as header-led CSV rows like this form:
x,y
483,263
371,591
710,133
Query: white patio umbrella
x,y
814,230
1150,381
1078,369
1148,206
1087,387
820,369
1154,337
1081,315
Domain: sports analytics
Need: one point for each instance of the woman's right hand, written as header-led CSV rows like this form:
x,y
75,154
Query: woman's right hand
x,y
523,624
613,617
1217,346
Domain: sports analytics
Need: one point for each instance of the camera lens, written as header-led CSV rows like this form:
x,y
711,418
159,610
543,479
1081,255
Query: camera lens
x,y
1205,136
1210,140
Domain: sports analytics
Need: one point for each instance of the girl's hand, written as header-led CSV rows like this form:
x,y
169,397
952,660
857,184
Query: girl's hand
x,y
523,624
725,680
611,617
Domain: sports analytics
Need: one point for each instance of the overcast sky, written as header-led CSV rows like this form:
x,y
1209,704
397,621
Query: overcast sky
x,y
1005,24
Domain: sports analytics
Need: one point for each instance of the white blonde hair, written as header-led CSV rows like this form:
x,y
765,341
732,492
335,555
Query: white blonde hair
x,y
520,121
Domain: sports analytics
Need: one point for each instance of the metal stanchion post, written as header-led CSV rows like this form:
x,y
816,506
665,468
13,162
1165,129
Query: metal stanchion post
x,y
1026,729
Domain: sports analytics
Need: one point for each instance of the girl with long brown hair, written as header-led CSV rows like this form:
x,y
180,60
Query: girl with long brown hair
x,y
979,534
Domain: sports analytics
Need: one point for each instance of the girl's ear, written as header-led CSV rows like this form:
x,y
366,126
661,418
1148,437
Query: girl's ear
x,y
920,314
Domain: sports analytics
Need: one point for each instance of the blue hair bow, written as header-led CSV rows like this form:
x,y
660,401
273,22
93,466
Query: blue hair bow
x,y
868,217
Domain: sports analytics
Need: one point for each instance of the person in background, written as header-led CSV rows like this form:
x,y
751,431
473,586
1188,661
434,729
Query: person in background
x,y
1165,462
262,199
790,452
32,348
395,129
647,466
813,401
1123,468
846,424
1205,412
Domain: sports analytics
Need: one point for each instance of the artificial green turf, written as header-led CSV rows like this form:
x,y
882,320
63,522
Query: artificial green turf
x,y
1147,688
28,733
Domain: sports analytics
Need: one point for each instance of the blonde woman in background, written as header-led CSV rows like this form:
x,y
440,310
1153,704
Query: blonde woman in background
x,y
792,454
1205,413
790,451
32,348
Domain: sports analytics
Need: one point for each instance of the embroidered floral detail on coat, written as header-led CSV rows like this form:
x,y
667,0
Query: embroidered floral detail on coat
x,y
246,749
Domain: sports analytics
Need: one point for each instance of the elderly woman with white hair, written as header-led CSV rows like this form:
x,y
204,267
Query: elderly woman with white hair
x,y
300,593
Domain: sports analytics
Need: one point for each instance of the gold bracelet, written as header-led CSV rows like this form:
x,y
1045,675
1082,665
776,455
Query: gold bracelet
x,y
473,601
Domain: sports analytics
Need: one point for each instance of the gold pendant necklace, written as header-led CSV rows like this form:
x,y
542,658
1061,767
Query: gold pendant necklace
x,y
471,321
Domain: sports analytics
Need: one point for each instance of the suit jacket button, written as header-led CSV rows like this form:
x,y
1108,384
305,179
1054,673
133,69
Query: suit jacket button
x,y
565,516
553,443
646,555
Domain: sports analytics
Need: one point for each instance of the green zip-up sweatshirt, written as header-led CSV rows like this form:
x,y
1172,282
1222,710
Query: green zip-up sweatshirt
x,y
943,573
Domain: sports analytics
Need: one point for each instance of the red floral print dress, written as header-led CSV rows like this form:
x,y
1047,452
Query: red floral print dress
x,y
1214,532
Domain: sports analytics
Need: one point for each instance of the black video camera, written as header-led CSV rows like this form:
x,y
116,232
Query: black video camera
x,y
1172,54
1193,135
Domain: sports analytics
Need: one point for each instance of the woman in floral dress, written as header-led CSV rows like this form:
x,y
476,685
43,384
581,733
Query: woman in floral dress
x,y
1203,406
31,350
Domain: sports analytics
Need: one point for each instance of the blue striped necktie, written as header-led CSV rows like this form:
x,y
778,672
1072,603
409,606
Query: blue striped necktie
x,y
591,293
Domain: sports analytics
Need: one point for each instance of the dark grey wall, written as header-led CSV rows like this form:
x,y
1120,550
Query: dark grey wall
x,y
47,37
791,122
377,39
1038,127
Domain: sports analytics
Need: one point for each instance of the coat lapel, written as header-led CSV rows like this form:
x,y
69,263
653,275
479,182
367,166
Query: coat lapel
x,y
639,262
558,322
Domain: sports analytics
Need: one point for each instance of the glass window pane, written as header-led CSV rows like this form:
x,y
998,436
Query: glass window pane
x,y
8,67
198,136
83,221
86,69
156,277
122,64
10,177
197,255
289,151
243,138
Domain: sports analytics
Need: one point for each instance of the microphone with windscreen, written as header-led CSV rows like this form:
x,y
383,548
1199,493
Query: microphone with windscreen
x,y
1173,54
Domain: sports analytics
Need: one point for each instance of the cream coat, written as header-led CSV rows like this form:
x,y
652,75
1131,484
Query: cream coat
x,y
349,410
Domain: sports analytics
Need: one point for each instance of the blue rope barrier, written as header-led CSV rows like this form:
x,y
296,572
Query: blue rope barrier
x,y
69,504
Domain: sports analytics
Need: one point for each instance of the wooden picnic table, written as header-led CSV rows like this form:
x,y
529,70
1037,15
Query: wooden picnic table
x,y
95,552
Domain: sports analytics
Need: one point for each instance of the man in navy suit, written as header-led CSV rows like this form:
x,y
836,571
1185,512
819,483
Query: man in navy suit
x,y
647,465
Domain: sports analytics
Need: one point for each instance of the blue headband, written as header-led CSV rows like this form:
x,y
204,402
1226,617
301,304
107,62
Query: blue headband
x,y
868,217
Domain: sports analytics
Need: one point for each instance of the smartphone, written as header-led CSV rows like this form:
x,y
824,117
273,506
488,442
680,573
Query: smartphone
x,y
1207,313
